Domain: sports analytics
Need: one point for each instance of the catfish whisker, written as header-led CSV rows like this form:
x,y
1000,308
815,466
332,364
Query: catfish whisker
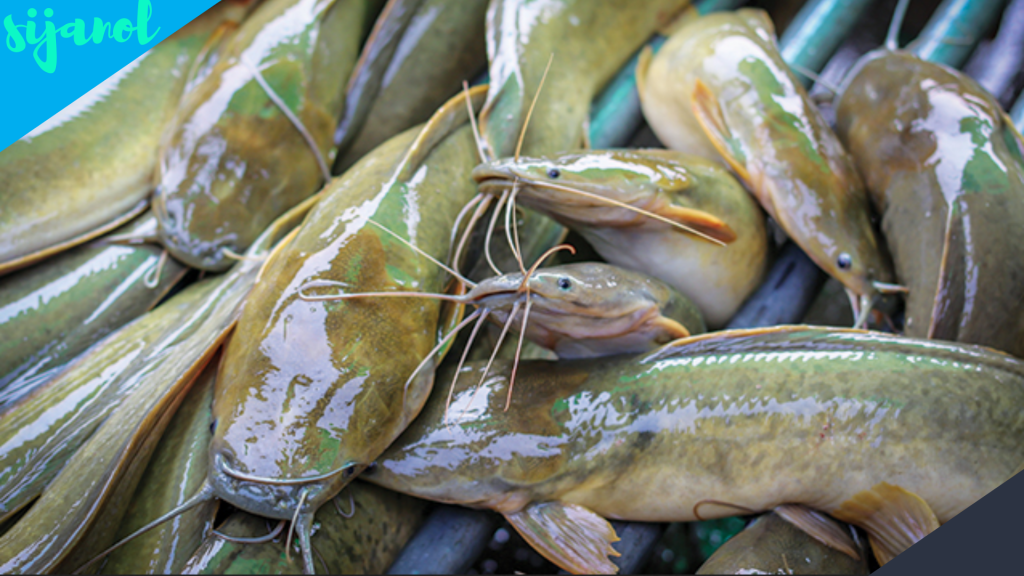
x,y
458,220
510,224
332,297
494,354
152,279
422,253
519,349
472,124
430,355
490,232
278,481
529,113
324,171
485,312
291,527
485,203
351,505
203,494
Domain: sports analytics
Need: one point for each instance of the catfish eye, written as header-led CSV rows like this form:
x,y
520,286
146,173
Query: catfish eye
x,y
213,426
844,261
348,471
564,283
554,173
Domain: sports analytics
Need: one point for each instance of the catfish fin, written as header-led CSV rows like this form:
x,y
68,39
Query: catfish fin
x,y
674,329
571,536
709,115
701,221
952,279
820,527
895,519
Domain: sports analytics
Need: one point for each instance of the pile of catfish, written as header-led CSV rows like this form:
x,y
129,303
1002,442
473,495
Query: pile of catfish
x,y
232,272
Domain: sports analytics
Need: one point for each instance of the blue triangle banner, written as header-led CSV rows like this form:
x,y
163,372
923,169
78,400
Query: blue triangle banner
x,y
54,51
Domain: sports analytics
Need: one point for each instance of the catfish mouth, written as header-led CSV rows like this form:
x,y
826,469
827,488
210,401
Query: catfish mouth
x,y
275,498
202,255
493,175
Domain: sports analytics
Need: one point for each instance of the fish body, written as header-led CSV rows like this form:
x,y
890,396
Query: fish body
x,y
89,168
234,161
309,393
362,534
175,471
745,419
944,167
772,545
590,309
720,89
683,188
83,442
522,37
441,44
52,312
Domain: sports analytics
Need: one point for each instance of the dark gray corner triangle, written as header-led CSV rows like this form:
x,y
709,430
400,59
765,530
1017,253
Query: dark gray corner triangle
x,y
981,539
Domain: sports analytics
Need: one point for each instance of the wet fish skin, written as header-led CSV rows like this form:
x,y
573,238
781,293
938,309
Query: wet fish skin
x,y
944,167
233,161
80,173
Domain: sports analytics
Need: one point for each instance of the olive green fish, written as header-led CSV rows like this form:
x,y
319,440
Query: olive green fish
x,y
590,40
89,168
598,195
944,167
52,312
719,88
235,159
891,434
586,42
580,310
408,69
95,460
309,393
362,533
177,468
772,545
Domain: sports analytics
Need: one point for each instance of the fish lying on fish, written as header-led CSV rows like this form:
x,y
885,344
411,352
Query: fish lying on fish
x,y
586,191
254,138
720,89
773,545
89,168
876,430
945,168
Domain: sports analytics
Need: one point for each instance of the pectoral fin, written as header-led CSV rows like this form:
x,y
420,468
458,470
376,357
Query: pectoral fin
x,y
703,222
820,527
571,536
894,518
951,281
674,329
709,115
